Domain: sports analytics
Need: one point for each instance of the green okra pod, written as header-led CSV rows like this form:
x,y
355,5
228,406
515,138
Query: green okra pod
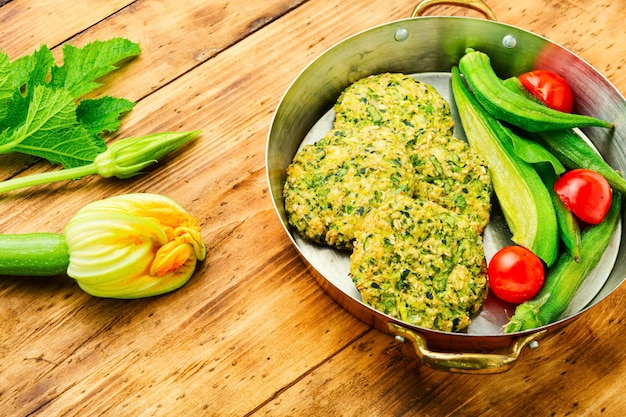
x,y
566,276
522,195
574,152
513,108
571,148
569,230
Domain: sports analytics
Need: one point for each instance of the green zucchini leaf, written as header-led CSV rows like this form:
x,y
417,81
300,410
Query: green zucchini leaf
x,y
103,114
41,112
71,147
47,112
83,66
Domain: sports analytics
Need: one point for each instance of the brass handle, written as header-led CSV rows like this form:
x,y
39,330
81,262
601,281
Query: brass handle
x,y
477,5
470,363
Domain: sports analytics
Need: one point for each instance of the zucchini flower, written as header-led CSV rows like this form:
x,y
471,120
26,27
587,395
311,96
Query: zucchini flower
x,y
133,246
123,159
128,246
127,157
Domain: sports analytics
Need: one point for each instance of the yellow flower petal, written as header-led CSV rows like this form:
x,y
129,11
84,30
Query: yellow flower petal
x,y
133,245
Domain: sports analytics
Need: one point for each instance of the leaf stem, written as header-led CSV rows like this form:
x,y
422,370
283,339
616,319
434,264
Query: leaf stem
x,y
47,177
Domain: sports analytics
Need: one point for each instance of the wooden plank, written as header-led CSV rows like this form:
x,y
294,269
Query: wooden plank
x,y
26,24
175,39
568,374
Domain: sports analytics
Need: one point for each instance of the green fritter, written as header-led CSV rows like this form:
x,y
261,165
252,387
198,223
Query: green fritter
x,y
420,263
451,174
332,184
398,101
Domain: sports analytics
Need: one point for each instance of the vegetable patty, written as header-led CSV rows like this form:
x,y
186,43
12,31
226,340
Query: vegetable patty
x,y
332,184
391,183
407,106
420,263
448,172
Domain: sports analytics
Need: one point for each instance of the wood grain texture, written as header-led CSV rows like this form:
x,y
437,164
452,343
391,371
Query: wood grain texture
x,y
252,334
26,24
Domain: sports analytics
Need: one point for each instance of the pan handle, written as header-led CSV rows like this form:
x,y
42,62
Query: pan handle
x,y
469,363
477,5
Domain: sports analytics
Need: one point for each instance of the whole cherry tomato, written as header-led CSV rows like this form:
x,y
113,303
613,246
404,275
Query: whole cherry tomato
x,y
549,87
515,274
585,193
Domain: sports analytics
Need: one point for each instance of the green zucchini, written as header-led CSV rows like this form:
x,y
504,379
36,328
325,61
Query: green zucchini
x,y
33,254
565,277
507,106
523,197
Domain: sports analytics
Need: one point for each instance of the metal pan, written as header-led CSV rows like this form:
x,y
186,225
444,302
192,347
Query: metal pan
x,y
427,48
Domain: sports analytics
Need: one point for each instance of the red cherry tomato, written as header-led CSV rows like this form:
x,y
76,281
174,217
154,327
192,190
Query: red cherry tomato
x,y
550,88
515,274
585,193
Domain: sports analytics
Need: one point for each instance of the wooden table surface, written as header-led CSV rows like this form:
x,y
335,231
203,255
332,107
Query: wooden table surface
x,y
252,333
